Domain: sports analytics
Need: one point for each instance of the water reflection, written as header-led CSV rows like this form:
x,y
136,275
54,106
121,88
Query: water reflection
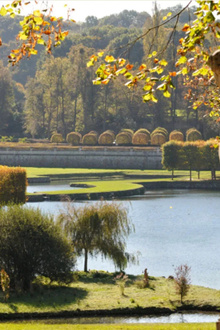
x,y
173,318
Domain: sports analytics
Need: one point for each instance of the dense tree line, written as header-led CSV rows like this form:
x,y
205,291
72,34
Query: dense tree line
x,y
48,94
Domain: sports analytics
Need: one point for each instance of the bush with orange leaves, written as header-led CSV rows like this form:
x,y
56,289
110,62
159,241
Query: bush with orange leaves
x,y
13,182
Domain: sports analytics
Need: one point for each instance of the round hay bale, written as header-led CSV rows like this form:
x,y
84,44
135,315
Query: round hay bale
x,y
74,138
123,138
56,138
106,138
140,139
89,139
158,139
176,136
193,135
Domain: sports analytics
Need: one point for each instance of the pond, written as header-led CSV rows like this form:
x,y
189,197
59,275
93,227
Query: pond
x,y
173,227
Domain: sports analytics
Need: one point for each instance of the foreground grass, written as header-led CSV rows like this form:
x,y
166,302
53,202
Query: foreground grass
x,y
100,291
39,326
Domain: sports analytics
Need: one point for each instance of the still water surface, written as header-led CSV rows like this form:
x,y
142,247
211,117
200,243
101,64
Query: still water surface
x,y
172,227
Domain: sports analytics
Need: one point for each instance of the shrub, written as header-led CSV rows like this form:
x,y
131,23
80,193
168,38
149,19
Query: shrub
x,y
13,182
74,138
90,139
123,138
176,136
32,244
158,139
56,138
193,135
140,139
182,280
106,138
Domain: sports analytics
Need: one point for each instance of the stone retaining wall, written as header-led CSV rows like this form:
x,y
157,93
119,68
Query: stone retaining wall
x,y
124,158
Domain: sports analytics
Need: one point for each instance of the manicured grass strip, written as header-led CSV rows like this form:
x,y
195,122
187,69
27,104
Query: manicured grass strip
x,y
99,187
39,326
44,171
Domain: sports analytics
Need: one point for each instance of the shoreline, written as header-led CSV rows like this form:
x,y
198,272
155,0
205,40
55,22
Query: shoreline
x,y
152,185
120,312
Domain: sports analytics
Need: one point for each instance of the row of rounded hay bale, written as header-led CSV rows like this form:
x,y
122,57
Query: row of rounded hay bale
x,y
128,137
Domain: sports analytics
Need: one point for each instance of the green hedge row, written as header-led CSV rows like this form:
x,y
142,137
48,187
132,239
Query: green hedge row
x,y
197,156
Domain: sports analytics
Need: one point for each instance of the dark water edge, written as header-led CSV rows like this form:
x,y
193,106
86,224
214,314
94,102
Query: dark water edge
x,y
185,317
182,314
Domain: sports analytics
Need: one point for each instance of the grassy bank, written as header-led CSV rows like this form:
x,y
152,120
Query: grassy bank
x,y
103,181
100,291
39,326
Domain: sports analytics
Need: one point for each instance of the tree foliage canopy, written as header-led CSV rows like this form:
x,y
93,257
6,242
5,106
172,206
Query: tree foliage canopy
x,y
194,50
98,228
31,244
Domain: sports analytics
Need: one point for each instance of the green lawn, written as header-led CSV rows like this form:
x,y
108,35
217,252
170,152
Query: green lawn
x,y
100,291
109,180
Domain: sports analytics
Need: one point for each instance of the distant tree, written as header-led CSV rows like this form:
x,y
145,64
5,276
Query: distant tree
x,y
182,280
32,244
91,21
211,157
7,98
190,153
171,155
99,228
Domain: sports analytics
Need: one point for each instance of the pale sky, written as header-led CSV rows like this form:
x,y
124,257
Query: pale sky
x,y
99,8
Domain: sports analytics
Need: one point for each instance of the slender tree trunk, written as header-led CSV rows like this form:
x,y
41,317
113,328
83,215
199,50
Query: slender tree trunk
x,y
74,115
86,261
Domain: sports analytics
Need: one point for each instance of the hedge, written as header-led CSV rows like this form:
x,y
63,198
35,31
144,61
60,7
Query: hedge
x,y
13,182
197,156
74,138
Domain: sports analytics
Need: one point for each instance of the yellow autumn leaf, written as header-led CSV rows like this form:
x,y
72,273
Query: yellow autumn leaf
x,y
109,59
37,13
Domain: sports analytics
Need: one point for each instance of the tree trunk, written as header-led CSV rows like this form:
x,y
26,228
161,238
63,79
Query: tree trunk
x,y
86,261
74,116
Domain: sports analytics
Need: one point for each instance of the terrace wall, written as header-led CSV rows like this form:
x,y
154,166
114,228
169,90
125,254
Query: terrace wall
x,y
103,157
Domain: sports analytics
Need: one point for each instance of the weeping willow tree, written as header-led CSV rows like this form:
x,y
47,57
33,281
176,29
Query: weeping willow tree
x,y
99,228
